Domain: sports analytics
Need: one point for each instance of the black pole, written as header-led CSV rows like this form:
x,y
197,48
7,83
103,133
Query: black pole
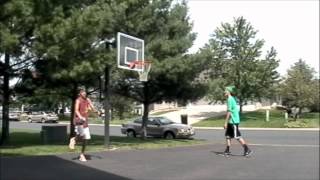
x,y
73,100
107,107
5,104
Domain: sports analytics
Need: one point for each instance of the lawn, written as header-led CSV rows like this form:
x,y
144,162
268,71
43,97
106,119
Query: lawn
x,y
28,143
257,119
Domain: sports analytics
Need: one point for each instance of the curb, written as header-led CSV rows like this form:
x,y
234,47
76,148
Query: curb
x,y
262,129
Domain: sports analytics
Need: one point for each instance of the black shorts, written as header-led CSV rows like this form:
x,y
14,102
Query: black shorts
x,y
232,131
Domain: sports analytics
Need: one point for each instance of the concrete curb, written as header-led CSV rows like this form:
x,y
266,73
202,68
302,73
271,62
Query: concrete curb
x,y
263,129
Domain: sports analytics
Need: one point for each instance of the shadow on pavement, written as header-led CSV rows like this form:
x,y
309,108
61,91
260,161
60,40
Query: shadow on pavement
x,y
50,168
219,153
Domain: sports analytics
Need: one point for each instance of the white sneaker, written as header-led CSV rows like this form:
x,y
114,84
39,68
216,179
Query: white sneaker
x,y
72,143
82,158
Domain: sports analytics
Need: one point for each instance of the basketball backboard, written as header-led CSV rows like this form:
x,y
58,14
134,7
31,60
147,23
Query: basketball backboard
x,y
129,49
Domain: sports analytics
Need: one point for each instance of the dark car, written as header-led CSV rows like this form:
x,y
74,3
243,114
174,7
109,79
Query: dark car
x,y
158,127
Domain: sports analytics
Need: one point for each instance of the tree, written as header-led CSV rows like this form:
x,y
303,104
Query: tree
x,y
166,29
71,46
16,26
121,105
234,58
300,88
315,106
62,42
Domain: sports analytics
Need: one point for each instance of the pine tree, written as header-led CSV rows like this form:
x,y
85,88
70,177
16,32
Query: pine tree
x,y
71,46
16,26
300,88
166,29
233,55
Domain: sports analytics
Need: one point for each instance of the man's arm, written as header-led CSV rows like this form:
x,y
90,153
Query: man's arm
x,y
227,119
92,108
229,109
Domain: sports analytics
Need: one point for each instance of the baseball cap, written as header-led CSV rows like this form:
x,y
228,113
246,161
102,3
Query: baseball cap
x,y
230,89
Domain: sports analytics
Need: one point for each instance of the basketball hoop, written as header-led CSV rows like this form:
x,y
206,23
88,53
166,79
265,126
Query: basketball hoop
x,y
130,55
143,68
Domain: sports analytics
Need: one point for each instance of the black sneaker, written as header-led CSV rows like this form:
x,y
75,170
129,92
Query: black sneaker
x,y
248,152
226,153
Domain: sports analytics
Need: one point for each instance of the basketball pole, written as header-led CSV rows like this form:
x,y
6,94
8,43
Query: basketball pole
x,y
107,107
107,89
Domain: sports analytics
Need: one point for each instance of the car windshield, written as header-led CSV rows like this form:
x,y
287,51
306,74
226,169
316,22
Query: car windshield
x,y
165,120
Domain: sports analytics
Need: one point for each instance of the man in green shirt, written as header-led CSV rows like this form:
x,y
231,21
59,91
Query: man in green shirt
x,y
232,122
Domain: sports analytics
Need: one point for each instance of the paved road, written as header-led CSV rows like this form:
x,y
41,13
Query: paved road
x,y
277,155
289,137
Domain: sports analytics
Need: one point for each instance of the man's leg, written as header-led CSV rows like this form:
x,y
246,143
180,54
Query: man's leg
x,y
86,136
76,137
228,143
83,148
229,134
247,150
72,141
237,136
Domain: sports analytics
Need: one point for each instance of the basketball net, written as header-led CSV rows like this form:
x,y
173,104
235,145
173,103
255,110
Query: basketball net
x,y
143,68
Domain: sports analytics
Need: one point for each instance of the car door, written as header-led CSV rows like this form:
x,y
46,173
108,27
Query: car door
x,y
37,116
137,125
154,127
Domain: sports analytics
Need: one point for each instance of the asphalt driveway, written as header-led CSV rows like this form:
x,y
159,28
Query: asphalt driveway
x,y
185,163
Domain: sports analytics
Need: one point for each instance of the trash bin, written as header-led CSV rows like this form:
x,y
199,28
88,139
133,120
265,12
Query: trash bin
x,y
184,118
53,134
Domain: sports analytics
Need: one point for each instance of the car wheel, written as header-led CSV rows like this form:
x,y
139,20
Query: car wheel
x,y
169,135
29,120
43,120
131,133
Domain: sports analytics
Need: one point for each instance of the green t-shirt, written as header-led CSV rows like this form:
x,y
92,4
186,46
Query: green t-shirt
x,y
234,110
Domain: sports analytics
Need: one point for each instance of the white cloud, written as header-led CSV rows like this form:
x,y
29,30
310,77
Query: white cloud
x,y
292,27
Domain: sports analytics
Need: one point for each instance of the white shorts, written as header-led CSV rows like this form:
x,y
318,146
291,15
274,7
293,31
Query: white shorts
x,y
82,131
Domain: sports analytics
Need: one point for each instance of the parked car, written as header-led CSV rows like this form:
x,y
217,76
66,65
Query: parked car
x,y
42,117
14,115
158,127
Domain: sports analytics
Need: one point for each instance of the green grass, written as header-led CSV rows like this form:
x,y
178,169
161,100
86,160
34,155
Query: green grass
x,y
257,119
28,143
